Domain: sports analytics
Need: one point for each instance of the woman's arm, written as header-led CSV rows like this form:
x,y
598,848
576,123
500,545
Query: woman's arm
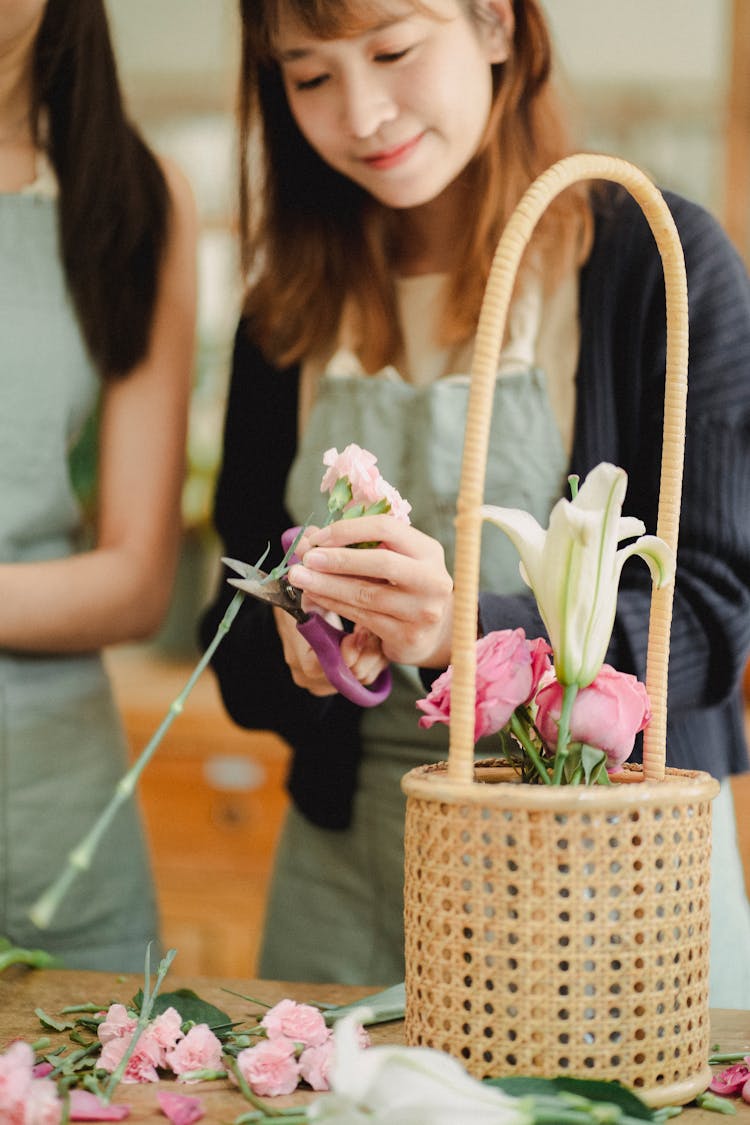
x,y
120,589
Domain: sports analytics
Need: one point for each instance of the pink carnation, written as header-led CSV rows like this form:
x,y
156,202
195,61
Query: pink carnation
x,y
199,1050
400,508
116,1024
25,1100
358,466
270,1068
315,1064
368,487
299,1022
42,1105
607,714
142,1063
508,672
166,1029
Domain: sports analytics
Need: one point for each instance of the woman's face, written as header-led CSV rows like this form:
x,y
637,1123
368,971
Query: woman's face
x,y
19,21
400,108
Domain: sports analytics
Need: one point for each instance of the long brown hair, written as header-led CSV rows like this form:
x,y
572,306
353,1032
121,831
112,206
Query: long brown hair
x,y
312,240
113,198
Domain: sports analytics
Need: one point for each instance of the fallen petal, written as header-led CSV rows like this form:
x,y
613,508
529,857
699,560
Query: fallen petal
x,y
179,1108
85,1106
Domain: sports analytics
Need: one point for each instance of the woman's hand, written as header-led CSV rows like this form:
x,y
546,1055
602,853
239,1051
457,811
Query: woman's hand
x,y
400,591
360,650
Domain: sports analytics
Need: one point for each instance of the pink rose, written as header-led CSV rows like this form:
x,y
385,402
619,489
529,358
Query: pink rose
x,y
270,1068
607,714
142,1063
509,669
199,1050
299,1022
315,1064
116,1024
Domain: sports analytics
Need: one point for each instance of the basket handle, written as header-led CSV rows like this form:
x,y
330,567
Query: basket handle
x,y
490,332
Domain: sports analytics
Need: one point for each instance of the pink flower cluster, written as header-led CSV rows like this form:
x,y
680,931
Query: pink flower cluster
x,y
298,1048
368,487
160,1046
513,672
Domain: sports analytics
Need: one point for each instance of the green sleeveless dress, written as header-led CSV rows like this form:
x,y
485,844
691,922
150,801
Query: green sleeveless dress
x,y
62,748
335,911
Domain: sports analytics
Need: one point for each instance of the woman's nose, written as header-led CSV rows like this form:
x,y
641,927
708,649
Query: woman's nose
x,y
368,104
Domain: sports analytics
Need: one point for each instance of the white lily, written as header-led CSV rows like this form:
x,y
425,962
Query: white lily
x,y
574,567
407,1086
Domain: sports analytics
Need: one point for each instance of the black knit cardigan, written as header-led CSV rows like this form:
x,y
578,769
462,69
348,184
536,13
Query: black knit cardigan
x,y
619,413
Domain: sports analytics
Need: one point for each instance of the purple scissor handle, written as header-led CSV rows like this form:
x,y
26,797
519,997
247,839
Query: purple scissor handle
x,y
325,639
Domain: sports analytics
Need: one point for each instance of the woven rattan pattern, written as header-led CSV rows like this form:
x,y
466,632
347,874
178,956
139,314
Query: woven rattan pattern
x,y
544,942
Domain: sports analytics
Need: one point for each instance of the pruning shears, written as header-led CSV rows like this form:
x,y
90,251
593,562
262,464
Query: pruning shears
x,y
323,637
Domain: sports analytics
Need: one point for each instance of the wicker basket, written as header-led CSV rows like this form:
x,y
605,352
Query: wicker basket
x,y
562,930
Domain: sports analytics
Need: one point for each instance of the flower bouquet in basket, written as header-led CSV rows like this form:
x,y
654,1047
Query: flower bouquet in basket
x,y
572,720
556,898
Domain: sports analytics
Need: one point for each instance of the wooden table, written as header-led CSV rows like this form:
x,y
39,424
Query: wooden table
x,y
22,990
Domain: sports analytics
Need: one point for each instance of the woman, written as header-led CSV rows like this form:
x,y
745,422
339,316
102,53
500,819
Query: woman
x,y
97,272
395,140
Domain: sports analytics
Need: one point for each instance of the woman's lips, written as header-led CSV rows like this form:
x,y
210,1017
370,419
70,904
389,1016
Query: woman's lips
x,y
390,157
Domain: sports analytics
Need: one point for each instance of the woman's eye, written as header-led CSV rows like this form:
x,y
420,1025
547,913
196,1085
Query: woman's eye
x,y
392,56
302,84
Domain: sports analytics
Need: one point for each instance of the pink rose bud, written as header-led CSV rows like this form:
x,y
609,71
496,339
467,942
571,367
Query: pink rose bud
x,y
607,714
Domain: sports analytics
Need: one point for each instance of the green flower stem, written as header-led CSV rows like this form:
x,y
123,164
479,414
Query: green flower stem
x,y
519,730
79,859
147,1004
202,1075
256,1102
715,1103
570,691
728,1057
35,958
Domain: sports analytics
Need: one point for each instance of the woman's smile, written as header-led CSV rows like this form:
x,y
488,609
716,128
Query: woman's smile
x,y
396,154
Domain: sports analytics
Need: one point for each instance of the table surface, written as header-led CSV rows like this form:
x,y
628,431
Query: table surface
x,y
23,990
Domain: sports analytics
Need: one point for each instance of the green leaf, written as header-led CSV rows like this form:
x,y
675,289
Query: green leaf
x,y
191,1007
591,759
595,1091
385,1006
52,1024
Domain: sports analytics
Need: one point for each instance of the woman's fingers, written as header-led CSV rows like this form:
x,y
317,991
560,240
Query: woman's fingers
x,y
400,590
303,663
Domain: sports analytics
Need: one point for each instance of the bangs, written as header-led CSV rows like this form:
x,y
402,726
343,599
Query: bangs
x,y
323,19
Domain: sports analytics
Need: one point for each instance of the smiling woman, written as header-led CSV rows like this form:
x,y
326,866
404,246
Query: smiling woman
x,y
369,225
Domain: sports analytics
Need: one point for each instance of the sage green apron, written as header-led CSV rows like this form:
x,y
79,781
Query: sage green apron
x,y
62,749
335,909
